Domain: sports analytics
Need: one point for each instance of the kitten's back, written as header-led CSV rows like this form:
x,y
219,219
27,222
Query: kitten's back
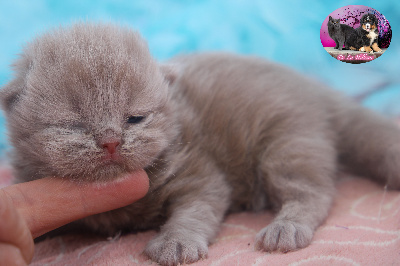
x,y
245,101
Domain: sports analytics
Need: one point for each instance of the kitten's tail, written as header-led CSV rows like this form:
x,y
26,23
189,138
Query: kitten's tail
x,y
369,144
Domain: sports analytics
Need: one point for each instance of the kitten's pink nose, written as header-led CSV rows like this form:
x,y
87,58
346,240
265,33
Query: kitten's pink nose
x,y
111,147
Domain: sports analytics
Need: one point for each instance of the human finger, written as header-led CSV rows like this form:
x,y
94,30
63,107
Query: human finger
x,y
49,203
11,255
16,242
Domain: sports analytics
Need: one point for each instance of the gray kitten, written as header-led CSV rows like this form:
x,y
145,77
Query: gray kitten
x,y
216,133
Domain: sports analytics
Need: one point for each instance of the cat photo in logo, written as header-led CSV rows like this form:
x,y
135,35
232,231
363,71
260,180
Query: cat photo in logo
x,y
355,34
340,33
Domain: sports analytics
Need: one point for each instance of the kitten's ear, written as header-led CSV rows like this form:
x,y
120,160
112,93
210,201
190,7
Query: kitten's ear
x,y
170,72
10,94
330,18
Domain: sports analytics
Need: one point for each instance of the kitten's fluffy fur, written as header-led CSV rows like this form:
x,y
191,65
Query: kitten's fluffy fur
x,y
221,133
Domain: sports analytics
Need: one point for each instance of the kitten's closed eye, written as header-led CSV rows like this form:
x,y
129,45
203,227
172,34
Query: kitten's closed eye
x,y
135,119
78,126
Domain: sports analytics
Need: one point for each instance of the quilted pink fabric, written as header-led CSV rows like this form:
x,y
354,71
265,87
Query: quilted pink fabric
x,y
363,228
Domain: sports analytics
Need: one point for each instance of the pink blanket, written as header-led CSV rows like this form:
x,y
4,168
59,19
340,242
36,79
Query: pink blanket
x,y
363,228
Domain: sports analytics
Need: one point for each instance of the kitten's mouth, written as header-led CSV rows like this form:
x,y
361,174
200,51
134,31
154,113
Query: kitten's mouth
x,y
109,167
110,158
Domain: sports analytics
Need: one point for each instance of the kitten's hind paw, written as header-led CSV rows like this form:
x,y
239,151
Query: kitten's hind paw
x,y
283,236
168,249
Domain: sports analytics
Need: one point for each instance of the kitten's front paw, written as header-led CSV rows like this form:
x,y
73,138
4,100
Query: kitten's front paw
x,y
174,249
283,236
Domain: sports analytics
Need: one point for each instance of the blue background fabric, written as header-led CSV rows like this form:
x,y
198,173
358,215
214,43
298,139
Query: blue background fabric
x,y
281,30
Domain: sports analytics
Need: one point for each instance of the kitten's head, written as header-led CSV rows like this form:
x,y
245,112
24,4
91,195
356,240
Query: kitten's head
x,y
87,102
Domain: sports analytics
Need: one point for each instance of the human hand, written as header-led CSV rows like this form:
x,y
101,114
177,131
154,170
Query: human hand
x,y
31,209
